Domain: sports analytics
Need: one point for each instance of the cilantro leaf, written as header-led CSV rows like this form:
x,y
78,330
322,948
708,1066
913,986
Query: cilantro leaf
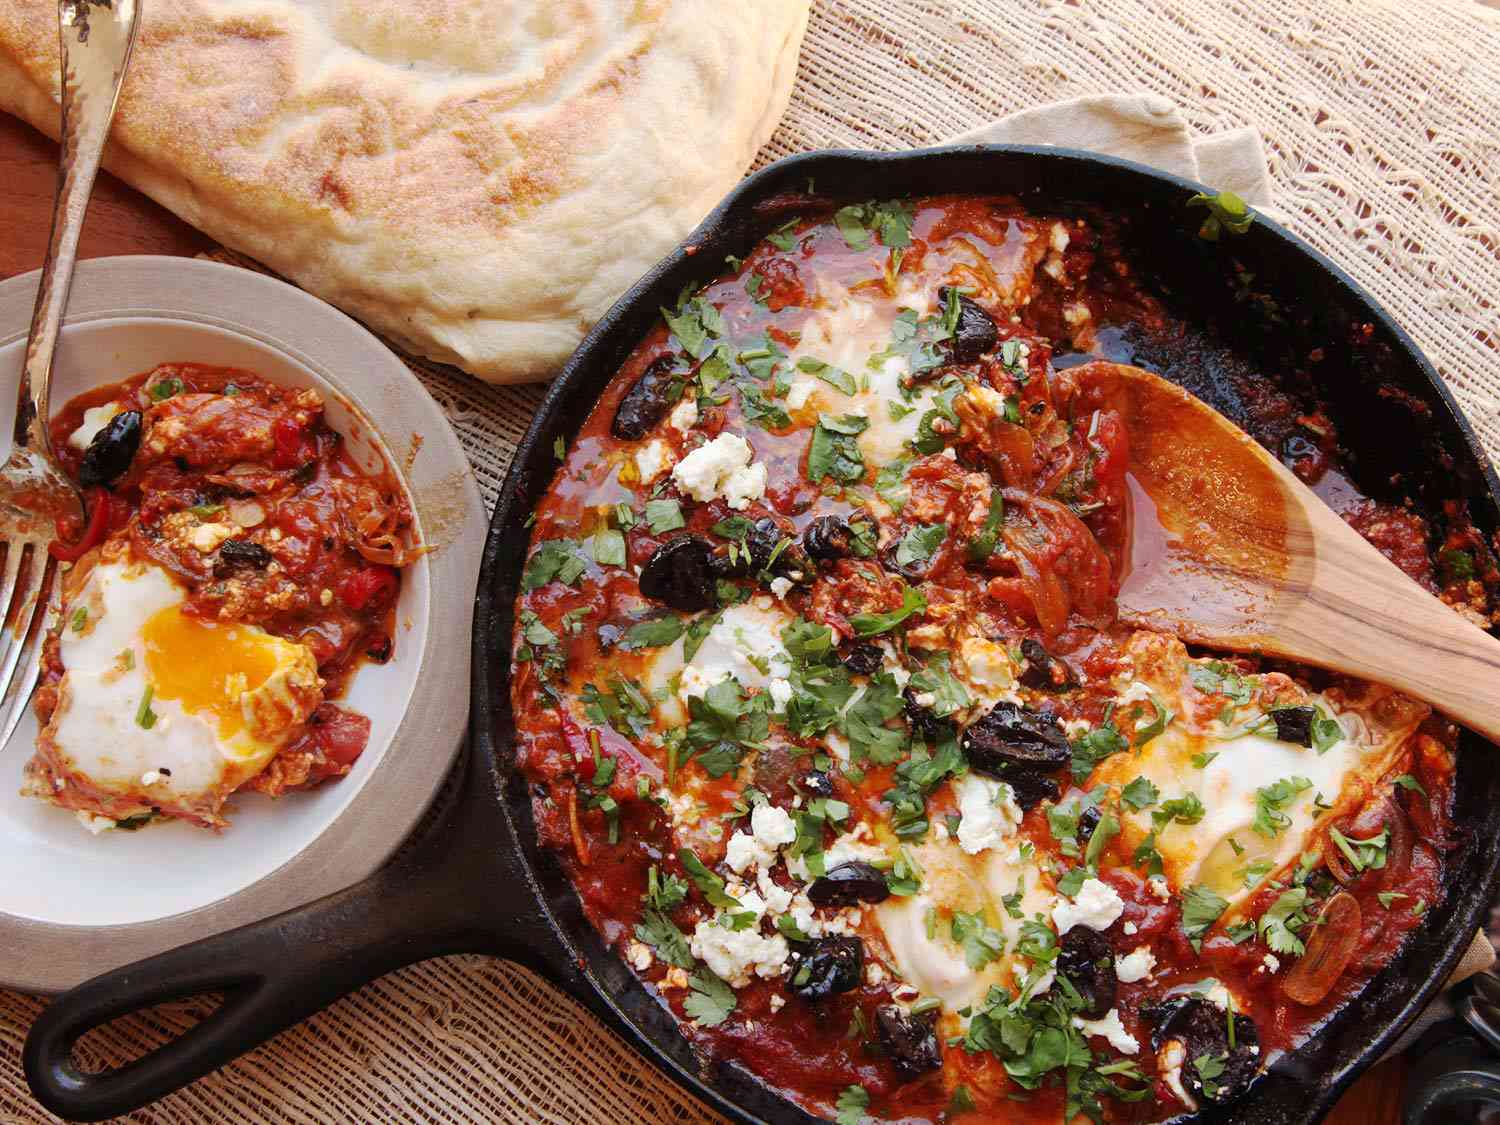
x,y
1201,908
980,942
1269,820
920,543
558,559
1281,921
1140,794
852,1103
871,624
706,881
836,377
663,516
661,934
711,1001
834,452
1093,747
653,632
947,691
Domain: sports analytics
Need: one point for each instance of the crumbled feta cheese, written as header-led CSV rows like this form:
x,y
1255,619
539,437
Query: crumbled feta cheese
x,y
206,537
1076,313
801,390
639,956
924,699
652,460
1129,927
1096,905
1135,692
778,1002
150,777
1112,1029
722,467
1158,885
781,693
1135,965
772,826
781,587
985,664
95,418
1059,237
846,849
745,851
95,824
684,415
1219,996
1271,962
1169,1062
735,954
745,485
988,813
778,899
874,974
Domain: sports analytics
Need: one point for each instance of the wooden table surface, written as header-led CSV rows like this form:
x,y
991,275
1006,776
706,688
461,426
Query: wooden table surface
x,y
122,221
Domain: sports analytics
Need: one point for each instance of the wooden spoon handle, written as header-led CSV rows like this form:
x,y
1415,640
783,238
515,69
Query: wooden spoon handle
x,y
1363,615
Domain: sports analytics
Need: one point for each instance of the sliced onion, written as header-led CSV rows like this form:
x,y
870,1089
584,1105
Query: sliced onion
x,y
1329,951
246,513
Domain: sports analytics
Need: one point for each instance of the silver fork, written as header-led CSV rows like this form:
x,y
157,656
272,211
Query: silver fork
x,y
35,493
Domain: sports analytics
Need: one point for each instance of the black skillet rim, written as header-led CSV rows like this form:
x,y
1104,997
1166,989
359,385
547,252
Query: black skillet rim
x,y
1309,1096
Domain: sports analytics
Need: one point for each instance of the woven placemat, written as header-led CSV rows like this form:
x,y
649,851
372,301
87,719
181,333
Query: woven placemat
x,y
1378,121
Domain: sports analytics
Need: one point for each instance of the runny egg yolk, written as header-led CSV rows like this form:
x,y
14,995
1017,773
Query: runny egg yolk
x,y
207,667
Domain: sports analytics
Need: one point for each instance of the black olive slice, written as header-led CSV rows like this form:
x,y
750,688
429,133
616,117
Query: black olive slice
x,y
862,659
849,884
1202,1028
236,553
1011,736
827,538
1294,724
925,723
826,967
109,455
1088,820
759,545
1045,672
975,333
680,573
646,403
1018,745
1087,962
1031,789
909,1041
816,783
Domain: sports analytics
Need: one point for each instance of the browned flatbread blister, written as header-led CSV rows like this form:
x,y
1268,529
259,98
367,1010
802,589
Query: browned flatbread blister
x,y
478,182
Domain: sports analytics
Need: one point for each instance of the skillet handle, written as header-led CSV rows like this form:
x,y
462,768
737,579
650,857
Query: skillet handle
x,y
273,974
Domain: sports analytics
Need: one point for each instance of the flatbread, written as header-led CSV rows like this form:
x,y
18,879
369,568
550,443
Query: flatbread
x,y
477,181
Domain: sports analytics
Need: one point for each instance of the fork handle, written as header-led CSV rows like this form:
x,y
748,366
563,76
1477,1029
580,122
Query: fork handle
x,y
97,36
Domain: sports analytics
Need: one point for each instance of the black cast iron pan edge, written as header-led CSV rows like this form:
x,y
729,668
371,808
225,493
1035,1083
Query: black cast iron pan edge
x,y
476,881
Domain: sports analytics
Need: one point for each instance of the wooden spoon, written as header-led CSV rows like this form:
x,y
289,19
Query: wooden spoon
x,y
1229,549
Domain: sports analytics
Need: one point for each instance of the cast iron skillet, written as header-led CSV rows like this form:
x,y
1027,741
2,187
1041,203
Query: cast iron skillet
x,y
475,880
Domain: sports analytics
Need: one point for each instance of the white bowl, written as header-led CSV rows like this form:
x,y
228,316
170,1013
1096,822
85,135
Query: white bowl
x,y
62,889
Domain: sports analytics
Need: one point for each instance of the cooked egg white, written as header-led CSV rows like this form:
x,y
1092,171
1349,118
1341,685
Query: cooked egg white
x,y
156,703
955,881
1225,766
744,643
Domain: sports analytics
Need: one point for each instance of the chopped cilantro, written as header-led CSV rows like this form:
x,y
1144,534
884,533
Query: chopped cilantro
x,y
711,1001
1201,908
654,632
920,543
834,452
